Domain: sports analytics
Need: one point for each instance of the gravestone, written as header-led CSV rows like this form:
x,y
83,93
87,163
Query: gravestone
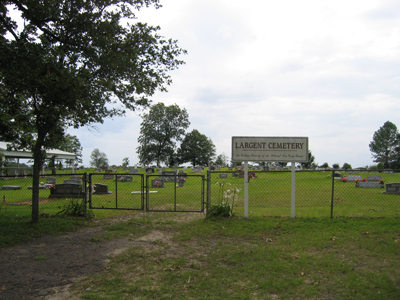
x,y
181,173
51,180
11,187
97,170
265,168
368,184
73,181
230,169
67,190
171,176
100,189
157,183
235,175
374,178
41,187
393,188
181,183
149,170
108,171
353,178
134,171
197,170
108,176
223,175
125,178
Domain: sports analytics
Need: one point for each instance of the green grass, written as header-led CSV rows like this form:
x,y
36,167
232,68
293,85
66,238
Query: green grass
x,y
258,258
18,229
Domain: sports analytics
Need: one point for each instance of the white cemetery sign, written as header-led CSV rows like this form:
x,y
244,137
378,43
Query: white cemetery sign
x,y
282,149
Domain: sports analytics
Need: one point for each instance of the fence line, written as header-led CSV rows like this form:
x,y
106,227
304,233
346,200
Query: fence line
x,y
318,193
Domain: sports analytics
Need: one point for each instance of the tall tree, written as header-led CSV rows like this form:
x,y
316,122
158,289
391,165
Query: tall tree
x,y
221,160
98,158
160,129
196,148
125,162
310,163
71,143
384,144
73,63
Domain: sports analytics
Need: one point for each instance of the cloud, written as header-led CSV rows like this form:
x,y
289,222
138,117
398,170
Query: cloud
x,y
325,70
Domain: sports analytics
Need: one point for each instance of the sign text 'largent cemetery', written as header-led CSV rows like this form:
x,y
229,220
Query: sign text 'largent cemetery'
x,y
282,149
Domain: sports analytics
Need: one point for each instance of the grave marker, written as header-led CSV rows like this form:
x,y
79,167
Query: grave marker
x,y
67,190
353,178
393,188
368,184
51,180
157,183
374,178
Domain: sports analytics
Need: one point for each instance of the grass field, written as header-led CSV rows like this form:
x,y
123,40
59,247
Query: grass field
x,y
269,195
256,258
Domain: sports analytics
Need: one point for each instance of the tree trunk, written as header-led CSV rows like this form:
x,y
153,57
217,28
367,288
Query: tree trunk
x,y
38,162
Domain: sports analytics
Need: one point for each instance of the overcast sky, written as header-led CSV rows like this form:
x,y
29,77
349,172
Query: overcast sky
x,y
327,70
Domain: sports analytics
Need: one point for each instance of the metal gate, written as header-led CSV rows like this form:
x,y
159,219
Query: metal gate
x,y
169,193
173,193
116,191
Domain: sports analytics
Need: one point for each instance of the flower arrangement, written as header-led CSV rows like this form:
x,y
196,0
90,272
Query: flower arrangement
x,y
226,201
382,183
344,179
182,179
364,180
51,186
357,182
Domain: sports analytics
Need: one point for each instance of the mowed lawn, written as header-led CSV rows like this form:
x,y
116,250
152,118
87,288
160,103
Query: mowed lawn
x,y
255,258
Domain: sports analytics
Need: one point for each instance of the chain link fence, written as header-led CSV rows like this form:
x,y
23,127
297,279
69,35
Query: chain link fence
x,y
348,193
318,193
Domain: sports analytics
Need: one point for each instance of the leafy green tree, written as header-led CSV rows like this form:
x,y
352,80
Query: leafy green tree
x,y
222,160
125,162
71,143
325,165
336,166
74,63
162,127
346,166
385,143
98,158
196,148
310,163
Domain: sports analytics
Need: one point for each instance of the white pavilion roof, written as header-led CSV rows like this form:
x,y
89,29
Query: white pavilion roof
x,y
28,154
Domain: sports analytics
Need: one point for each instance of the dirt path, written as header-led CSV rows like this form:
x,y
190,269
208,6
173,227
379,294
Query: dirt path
x,y
45,267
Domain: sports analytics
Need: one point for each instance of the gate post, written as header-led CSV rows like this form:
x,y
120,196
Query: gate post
x,y
85,182
208,197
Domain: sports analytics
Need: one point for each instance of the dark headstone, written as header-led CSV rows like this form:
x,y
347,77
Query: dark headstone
x,y
67,190
393,188
101,189
108,176
223,175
